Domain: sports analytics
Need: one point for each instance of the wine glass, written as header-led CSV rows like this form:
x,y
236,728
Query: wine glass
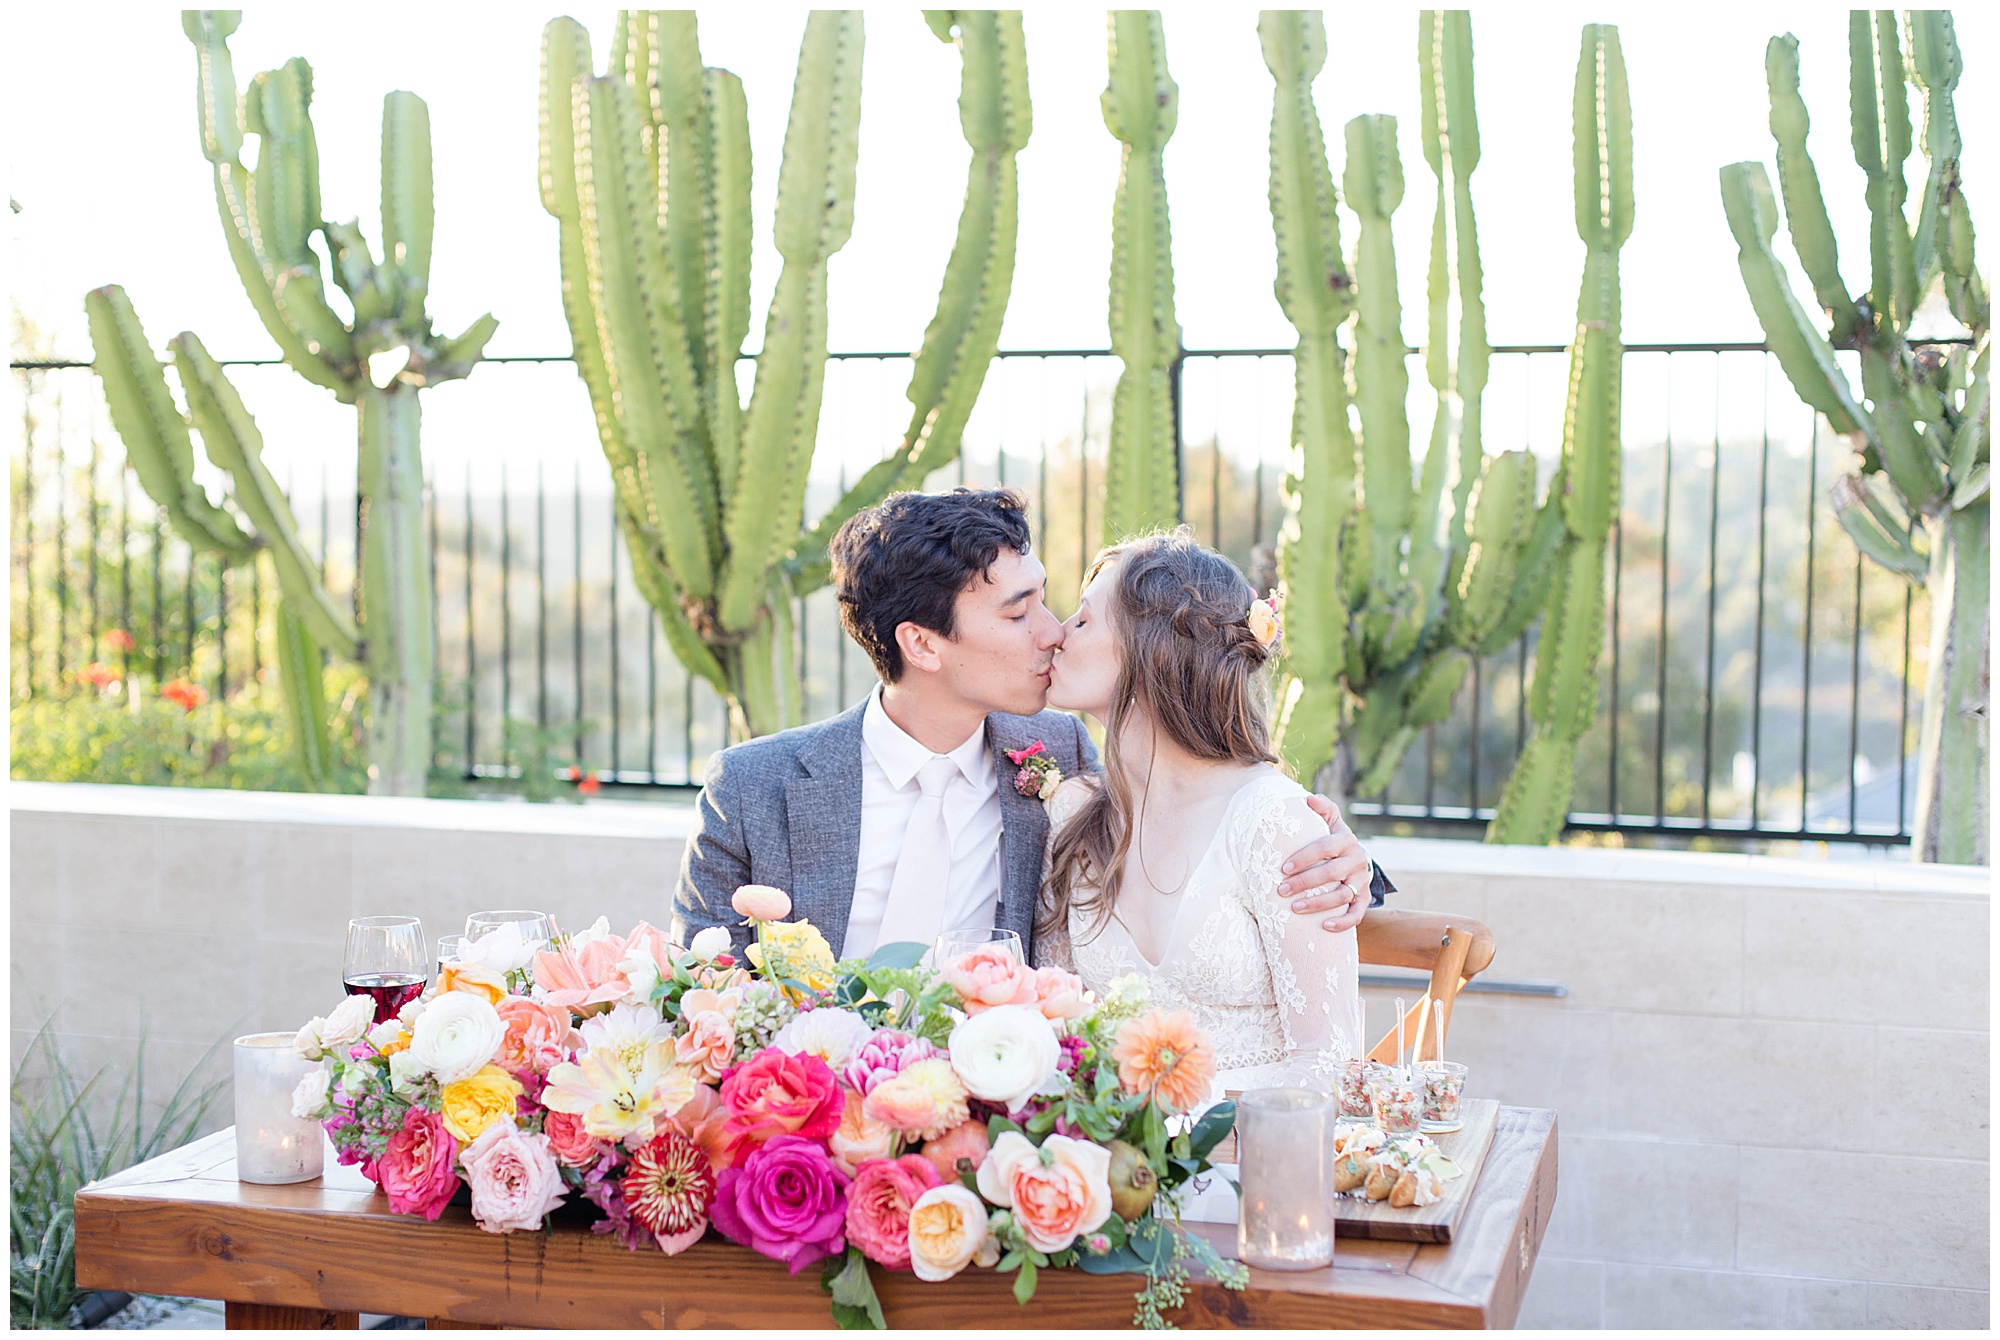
x,y
448,950
953,945
386,960
536,927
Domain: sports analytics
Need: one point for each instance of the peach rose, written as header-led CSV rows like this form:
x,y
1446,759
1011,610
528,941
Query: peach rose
x,y
990,976
573,1146
538,1035
1056,1192
860,1137
761,902
947,1229
1059,994
708,1046
967,1140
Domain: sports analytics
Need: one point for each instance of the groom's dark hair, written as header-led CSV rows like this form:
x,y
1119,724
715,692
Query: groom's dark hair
x,y
906,559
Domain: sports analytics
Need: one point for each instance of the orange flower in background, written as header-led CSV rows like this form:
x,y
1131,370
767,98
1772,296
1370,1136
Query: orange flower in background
x,y
119,640
1167,1056
187,695
586,782
97,673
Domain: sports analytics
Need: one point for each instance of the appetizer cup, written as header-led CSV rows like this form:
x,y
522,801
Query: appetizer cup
x,y
1443,1085
1350,1082
1397,1101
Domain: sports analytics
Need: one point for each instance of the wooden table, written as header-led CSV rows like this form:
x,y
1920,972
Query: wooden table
x,y
315,1255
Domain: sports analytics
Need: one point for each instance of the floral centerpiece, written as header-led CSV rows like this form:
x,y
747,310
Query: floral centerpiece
x,y
982,1114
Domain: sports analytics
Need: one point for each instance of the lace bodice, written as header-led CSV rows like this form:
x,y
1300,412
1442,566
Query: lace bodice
x,y
1277,994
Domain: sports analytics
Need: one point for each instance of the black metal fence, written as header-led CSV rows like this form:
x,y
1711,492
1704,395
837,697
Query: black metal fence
x,y
1759,678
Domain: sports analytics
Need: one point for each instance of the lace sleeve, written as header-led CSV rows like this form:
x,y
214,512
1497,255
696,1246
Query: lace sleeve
x,y
1052,950
1314,975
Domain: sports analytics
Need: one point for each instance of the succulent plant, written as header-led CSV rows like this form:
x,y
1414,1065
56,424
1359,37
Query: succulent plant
x,y
1917,501
378,362
647,170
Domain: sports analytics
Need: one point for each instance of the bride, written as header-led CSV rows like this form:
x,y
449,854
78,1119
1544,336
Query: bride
x,y
1162,864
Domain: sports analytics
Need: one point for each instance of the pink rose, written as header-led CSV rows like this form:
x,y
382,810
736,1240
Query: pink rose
x,y
773,1094
990,976
761,902
881,1057
538,1035
878,1207
514,1179
1059,994
967,1140
859,1138
573,977
415,1170
708,1046
573,1146
786,1201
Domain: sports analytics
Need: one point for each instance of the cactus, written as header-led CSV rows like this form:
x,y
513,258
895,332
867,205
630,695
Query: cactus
x,y
647,170
269,215
1917,503
1141,106
1563,698
1384,602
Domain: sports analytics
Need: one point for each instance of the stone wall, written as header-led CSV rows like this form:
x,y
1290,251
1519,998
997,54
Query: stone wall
x,y
1771,1076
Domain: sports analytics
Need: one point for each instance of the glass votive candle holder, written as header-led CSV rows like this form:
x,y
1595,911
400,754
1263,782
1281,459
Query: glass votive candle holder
x,y
1443,1084
1284,1162
1350,1083
272,1145
1396,1101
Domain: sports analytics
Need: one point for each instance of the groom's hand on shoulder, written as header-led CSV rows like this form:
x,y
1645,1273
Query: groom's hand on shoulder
x,y
1330,875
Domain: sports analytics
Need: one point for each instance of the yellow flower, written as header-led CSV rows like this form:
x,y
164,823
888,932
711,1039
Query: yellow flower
x,y
472,1104
472,977
796,950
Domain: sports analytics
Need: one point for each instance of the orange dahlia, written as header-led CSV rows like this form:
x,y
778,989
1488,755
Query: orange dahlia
x,y
669,1185
1166,1056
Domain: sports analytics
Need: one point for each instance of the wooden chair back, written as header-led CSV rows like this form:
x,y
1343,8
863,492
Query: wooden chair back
x,y
1452,949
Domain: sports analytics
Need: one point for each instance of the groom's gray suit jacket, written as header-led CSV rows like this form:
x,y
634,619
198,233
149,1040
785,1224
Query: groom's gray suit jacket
x,y
785,810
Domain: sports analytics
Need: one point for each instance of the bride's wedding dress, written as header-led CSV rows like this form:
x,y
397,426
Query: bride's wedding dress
x,y
1277,995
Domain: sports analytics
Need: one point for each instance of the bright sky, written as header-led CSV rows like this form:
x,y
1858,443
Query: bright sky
x,y
103,161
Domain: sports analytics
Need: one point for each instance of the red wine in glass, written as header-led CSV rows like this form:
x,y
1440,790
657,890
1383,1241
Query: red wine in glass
x,y
391,990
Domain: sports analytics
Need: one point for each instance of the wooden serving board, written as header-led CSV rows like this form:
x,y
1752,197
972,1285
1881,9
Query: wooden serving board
x,y
1354,1217
1357,1218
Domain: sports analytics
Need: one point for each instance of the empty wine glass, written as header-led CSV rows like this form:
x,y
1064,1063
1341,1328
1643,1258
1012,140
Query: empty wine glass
x,y
953,945
536,927
448,950
386,960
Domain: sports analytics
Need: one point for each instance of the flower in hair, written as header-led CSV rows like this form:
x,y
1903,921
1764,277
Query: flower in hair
x,y
1039,776
1263,618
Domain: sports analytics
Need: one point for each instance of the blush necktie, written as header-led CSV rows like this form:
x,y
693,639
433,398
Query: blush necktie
x,y
915,910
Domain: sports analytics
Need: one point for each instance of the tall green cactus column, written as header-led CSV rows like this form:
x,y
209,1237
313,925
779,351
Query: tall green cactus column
x,y
378,362
1563,699
1316,294
1141,107
1919,501
647,171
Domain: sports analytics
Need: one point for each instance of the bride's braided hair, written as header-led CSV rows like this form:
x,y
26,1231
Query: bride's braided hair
x,y
1188,662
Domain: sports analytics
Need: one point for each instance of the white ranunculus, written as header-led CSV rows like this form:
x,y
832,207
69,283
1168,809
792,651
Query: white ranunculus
x,y
833,1035
457,1036
385,1033
348,1024
1005,1054
310,1097
596,930
642,972
414,1010
710,942
405,1069
309,1044
503,949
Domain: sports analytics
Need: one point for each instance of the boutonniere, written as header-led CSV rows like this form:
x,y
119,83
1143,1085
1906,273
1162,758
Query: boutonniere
x,y
1038,776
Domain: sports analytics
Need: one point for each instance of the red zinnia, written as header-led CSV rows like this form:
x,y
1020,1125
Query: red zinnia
x,y
669,1185
119,640
188,696
98,674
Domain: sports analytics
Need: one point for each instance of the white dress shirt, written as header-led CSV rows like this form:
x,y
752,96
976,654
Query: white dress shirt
x,y
890,760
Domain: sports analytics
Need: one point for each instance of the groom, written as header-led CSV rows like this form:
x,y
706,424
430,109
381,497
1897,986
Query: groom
x,y
900,818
